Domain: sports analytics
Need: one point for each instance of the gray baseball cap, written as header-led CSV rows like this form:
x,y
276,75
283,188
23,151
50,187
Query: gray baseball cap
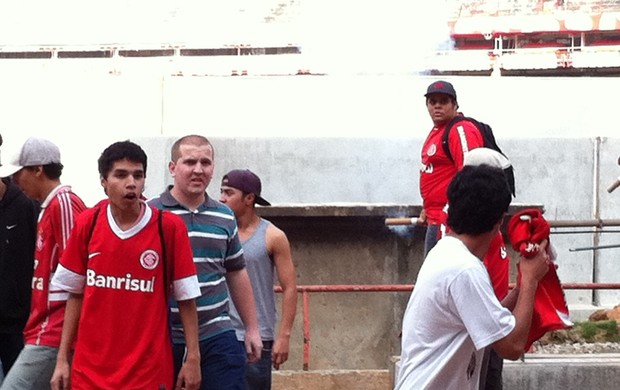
x,y
33,152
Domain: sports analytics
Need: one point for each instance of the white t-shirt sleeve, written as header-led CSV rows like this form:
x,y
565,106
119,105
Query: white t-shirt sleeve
x,y
482,314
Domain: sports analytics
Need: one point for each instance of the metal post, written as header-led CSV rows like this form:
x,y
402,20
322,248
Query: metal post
x,y
596,238
306,311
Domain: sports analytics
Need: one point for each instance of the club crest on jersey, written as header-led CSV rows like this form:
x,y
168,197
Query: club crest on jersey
x,y
431,150
149,259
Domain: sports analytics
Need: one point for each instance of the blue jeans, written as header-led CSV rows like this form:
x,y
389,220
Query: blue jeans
x,y
222,362
431,238
258,375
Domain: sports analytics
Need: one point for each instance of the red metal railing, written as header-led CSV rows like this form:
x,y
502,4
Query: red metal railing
x,y
306,290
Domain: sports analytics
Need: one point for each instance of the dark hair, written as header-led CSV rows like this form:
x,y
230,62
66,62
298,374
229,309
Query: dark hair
x,y
52,171
122,150
478,197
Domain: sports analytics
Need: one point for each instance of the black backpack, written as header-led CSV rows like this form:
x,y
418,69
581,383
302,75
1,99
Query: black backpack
x,y
489,142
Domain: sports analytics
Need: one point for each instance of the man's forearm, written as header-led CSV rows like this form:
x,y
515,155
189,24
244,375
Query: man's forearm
x,y
510,301
289,308
523,312
71,320
189,318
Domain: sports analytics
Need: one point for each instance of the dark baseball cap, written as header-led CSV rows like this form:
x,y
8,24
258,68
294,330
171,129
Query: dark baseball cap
x,y
246,181
441,87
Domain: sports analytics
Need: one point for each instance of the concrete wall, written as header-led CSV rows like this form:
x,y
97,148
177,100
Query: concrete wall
x,y
568,177
305,174
336,140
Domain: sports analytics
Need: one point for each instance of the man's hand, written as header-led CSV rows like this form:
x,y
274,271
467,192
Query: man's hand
x,y
280,352
422,218
189,376
253,345
60,378
536,268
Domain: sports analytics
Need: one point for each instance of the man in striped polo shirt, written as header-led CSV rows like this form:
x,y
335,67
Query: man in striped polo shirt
x,y
220,265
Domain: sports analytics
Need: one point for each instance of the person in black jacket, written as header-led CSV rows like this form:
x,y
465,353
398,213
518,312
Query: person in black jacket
x,y
18,232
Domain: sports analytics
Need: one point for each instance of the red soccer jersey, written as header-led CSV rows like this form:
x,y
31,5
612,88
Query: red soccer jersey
x,y
438,170
123,338
47,307
497,263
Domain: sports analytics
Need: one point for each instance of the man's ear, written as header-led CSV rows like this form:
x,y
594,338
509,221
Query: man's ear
x,y
250,199
498,225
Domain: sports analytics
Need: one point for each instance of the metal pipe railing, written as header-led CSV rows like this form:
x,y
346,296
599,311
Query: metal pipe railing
x,y
306,290
568,223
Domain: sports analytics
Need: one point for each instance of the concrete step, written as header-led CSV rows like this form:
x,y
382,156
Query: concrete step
x,y
332,380
566,372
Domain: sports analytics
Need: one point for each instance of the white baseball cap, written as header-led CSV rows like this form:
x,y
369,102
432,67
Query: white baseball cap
x,y
31,153
486,156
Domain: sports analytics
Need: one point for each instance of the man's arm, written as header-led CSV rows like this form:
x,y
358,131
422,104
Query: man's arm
x,y
61,377
189,376
510,301
532,271
280,249
241,293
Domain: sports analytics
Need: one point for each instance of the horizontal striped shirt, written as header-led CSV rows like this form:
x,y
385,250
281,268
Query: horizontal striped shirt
x,y
216,248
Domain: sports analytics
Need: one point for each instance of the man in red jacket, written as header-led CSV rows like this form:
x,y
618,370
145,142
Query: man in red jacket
x,y
36,168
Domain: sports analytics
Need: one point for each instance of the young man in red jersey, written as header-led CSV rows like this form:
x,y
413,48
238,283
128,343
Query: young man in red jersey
x,y
437,168
36,169
123,261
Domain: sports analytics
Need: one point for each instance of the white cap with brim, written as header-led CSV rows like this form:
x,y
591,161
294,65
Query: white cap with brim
x,y
7,170
486,156
33,152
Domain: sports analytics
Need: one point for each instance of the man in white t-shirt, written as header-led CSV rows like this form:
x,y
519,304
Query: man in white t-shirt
x,y
453,313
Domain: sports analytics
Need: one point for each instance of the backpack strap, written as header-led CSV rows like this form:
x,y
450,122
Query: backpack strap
x,y
160,227
446,133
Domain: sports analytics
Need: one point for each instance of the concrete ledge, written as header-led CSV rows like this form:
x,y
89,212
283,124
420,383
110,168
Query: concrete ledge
x,y
581,312
552,371
332,380
566,372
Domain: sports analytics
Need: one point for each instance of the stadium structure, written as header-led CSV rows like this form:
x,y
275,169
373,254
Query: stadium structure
x,y
188,37
244,37
533,37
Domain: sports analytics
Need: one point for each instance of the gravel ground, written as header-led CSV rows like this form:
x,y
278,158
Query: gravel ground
x,y
576,348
